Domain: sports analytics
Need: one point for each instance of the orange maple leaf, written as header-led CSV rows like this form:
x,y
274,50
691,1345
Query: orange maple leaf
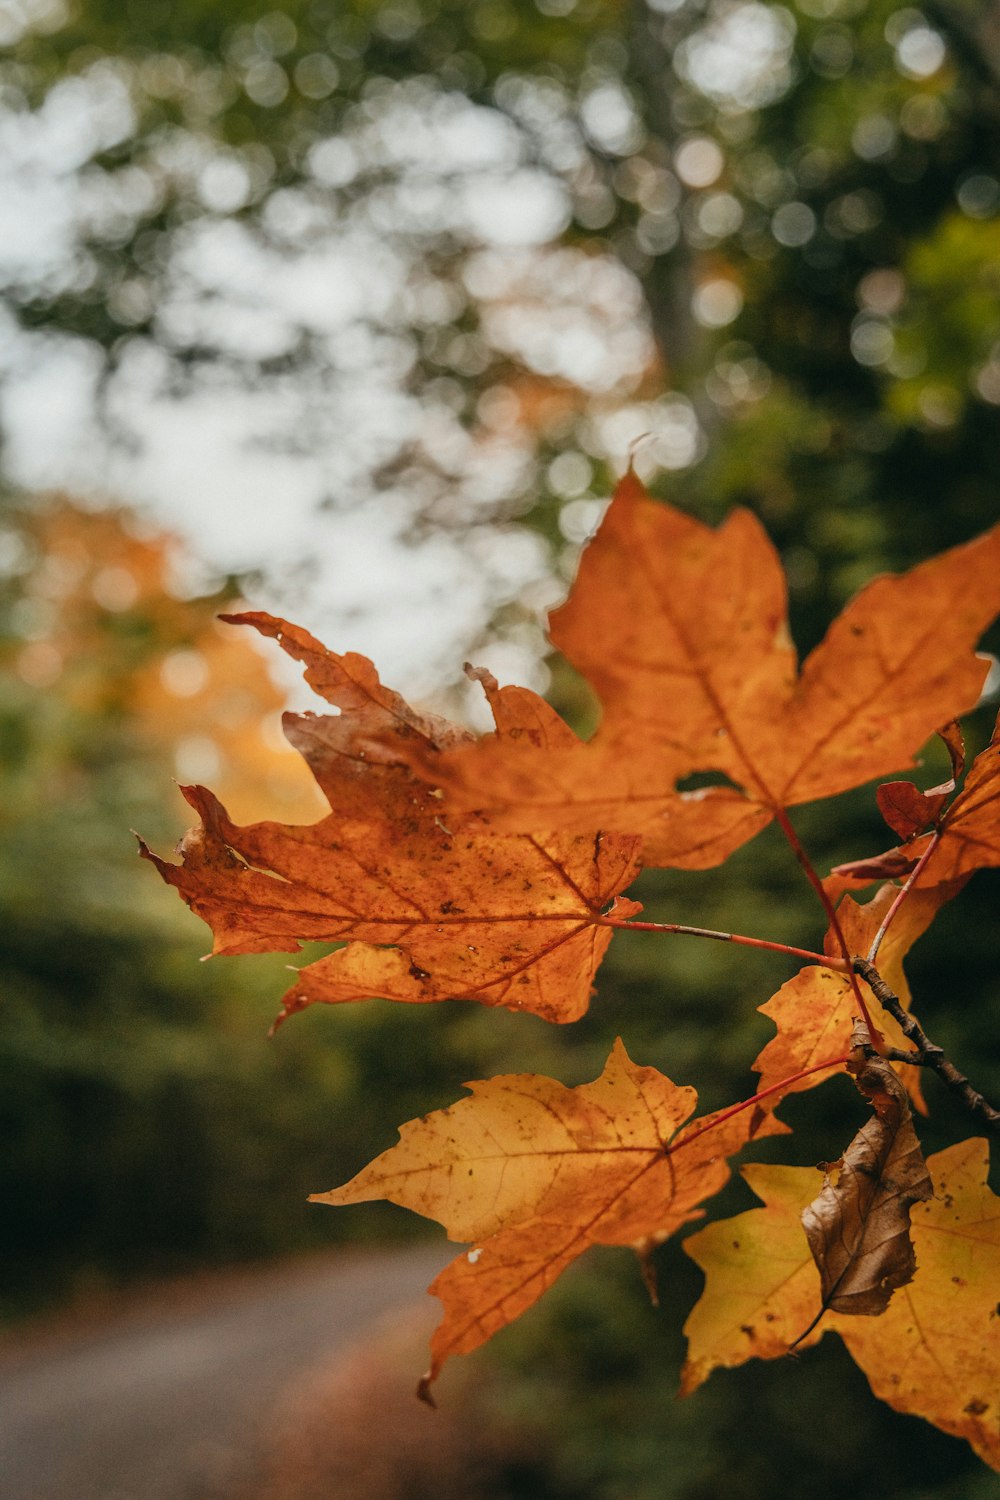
x,y
683,633
815,1010
428,910
535,1173
934,1352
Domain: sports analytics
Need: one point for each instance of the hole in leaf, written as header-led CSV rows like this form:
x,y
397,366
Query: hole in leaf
x,y
698,780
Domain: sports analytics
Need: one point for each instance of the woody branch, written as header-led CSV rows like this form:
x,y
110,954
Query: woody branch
x,y
927,1054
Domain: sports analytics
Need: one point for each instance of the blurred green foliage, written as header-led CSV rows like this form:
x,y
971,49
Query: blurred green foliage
x,y
149,1124
835,166
804,199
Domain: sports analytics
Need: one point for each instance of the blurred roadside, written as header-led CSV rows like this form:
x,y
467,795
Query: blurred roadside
x,y
180,1392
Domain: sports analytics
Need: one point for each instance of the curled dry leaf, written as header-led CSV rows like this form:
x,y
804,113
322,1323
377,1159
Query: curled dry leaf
x,y
907,809
935,1350
970,829
954,742
683,633
968,837
535,1173
430,910
858,1227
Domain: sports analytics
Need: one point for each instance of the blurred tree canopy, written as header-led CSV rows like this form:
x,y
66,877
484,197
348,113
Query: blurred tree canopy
x,y
533,230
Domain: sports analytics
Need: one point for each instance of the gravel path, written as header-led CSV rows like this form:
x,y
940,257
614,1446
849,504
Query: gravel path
x,y
169,1399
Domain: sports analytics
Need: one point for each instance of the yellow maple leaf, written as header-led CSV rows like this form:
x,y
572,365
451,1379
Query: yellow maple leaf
x,y
934,1352
535,1173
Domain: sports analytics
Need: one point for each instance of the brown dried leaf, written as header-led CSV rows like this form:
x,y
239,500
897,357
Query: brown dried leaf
x,y
858,1227
907,809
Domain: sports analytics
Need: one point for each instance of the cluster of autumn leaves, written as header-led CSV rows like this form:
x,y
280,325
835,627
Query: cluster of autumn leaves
x,y
494,870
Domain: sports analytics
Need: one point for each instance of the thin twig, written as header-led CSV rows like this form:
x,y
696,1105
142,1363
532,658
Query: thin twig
x,y
798,849
623,924
902,894
713,1121
927,1053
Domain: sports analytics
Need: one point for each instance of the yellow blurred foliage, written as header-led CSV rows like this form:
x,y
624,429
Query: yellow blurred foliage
x,y
102,622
